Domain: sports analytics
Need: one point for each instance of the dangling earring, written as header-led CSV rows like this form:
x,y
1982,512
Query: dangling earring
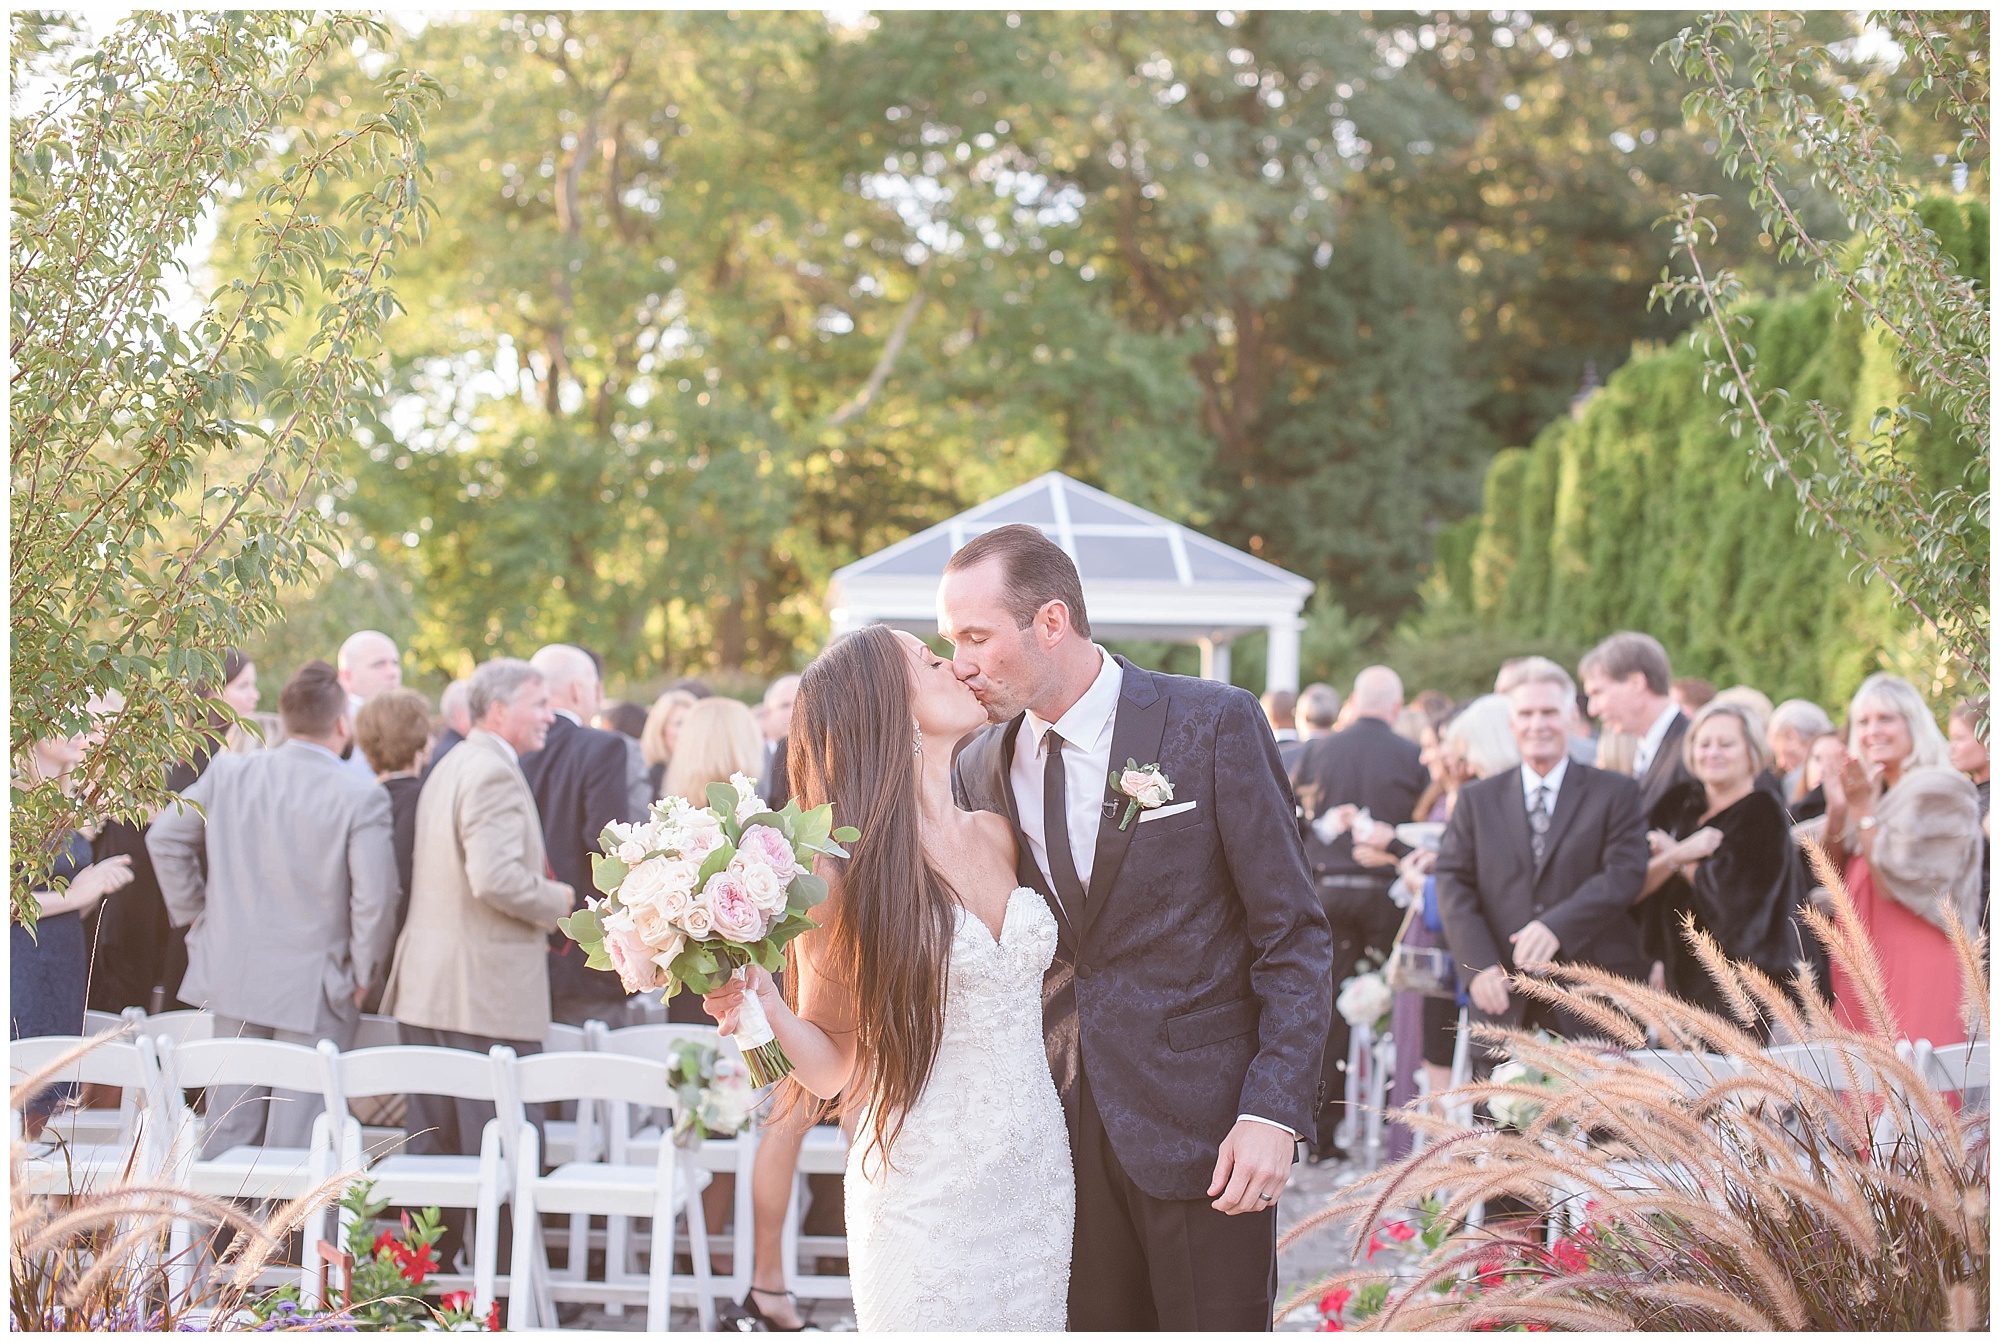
x,y
920,739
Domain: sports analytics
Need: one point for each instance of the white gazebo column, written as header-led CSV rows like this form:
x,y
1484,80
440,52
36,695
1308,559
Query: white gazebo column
x,y
1215,659
1281,658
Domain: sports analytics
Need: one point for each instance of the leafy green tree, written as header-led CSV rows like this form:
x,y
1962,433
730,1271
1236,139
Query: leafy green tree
x,y
1925,539
169,480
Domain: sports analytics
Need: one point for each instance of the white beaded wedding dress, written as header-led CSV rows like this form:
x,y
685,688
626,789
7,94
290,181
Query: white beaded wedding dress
x,y
967,1227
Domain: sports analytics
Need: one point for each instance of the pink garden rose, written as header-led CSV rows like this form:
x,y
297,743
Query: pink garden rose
x,y
737,917
771,849
630,955
1146,787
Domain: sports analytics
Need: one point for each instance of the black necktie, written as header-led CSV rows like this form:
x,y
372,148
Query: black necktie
x,y
1055,826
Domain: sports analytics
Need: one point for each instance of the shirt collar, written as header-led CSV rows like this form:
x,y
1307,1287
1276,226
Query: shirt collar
x,y
565,713
1553,781
501,741
314,745
1084,722
1649,744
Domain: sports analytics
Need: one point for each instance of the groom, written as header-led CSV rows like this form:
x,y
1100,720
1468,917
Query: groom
x,y
1188,1000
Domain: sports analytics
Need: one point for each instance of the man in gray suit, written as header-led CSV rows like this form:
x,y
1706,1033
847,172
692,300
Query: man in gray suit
x,y
297,909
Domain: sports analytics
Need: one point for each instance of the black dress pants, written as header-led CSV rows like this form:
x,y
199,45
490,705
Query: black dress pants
x,y
1364,921
1150,1264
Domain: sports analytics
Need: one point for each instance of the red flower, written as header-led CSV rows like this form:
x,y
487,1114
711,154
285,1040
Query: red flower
x,y
454,1300
418,1263
385,1240
1332,1326
493,1318
1401,1231
1489,1269
1534,1328
1335,1300
1569,1255
1375,1244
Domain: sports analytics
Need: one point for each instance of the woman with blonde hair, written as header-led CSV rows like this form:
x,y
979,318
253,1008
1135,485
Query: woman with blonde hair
x,y
718,738
1904,828
662,729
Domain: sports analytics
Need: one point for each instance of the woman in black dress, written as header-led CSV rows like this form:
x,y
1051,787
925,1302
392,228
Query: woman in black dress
x,y
393,732
1723,851
135,951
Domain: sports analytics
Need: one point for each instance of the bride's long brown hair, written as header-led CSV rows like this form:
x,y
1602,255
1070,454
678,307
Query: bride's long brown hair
x,y
853,743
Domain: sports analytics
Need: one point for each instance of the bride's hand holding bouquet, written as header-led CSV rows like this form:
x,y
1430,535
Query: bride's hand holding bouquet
x,y
694,896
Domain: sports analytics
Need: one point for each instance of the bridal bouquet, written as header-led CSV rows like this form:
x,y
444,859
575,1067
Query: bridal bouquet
x,y
694,894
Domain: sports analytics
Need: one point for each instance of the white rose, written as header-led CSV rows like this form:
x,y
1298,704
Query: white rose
x,y
645,883
697,921
665,956
748,803
1147,787
767,891
1364,999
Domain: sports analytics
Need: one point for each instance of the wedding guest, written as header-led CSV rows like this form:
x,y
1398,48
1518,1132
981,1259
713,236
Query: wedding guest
x,y
1281,711
1515,670
393,732
656,742
137,956
1692,693
49,966
578,779
369,663
1827,756
1891,736
719,738
1616,750
617,715
1790,729
1750,697
1628,678
286,880
457,723
471,967
1969,755
1541,865
1318,709
1723,851
629,721
1475,743
1365,766
774,719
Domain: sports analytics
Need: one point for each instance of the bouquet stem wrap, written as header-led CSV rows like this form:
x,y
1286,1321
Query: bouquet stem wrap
x,y
761,1051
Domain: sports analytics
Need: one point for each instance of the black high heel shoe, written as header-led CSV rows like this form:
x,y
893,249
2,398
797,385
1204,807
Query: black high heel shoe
x,y
751,1308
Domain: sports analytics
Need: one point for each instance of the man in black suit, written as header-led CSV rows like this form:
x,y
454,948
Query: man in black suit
x,y
457,723
1629,683
1186,1004
578,778
1364,766
1541,865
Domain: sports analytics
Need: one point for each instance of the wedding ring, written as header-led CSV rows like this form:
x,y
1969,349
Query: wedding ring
x,y
1266,1197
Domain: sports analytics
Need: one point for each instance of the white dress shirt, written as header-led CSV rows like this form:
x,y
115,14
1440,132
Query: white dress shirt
x,y
1553,781
565,713
356,762
1649,744
1086,732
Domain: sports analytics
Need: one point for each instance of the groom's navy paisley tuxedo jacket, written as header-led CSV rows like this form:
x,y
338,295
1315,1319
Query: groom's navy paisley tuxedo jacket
x,y
1193,984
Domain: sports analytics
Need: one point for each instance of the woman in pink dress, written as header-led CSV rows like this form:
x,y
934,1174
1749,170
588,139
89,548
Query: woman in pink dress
x,y
1891,733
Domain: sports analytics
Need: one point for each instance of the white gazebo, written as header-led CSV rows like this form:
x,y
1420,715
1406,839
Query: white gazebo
x,y
1143,577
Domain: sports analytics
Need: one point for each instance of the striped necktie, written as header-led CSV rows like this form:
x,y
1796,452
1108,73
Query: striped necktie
x,y
1538,822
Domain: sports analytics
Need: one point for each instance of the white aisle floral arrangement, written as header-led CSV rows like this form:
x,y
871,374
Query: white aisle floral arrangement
x,y
694,894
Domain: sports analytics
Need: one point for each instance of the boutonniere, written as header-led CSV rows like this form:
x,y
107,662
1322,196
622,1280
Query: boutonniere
x,y
1146,788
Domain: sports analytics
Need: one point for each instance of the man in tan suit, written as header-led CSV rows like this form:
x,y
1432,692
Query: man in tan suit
x,y
471,968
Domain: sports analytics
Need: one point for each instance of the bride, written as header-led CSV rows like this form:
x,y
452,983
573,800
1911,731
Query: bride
x,y
918,1008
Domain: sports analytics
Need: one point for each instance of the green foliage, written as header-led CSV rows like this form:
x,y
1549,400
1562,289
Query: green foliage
x,y
721,302
1644,511
1923,535
169,480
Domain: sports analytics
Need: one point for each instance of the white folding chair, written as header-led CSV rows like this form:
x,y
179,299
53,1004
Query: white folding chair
x,y
661,1191
404,1180
181,1026
718,1155
80,1126
263,1173
57,1162
823,1151
571,1139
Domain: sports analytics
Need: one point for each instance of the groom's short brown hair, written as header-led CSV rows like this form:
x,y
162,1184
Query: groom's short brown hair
x,y
1034,569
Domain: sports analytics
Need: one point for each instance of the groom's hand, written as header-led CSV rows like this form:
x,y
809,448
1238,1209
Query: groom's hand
x,y
1251,1168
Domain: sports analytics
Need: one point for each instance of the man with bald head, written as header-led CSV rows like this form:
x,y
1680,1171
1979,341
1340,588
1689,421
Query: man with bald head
x,y
368,663
580,785
1362,768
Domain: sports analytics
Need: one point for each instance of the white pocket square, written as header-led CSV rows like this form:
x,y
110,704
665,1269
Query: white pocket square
x,y
1162,812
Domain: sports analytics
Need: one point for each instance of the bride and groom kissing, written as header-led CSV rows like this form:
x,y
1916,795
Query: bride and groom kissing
x,y
1073,1022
